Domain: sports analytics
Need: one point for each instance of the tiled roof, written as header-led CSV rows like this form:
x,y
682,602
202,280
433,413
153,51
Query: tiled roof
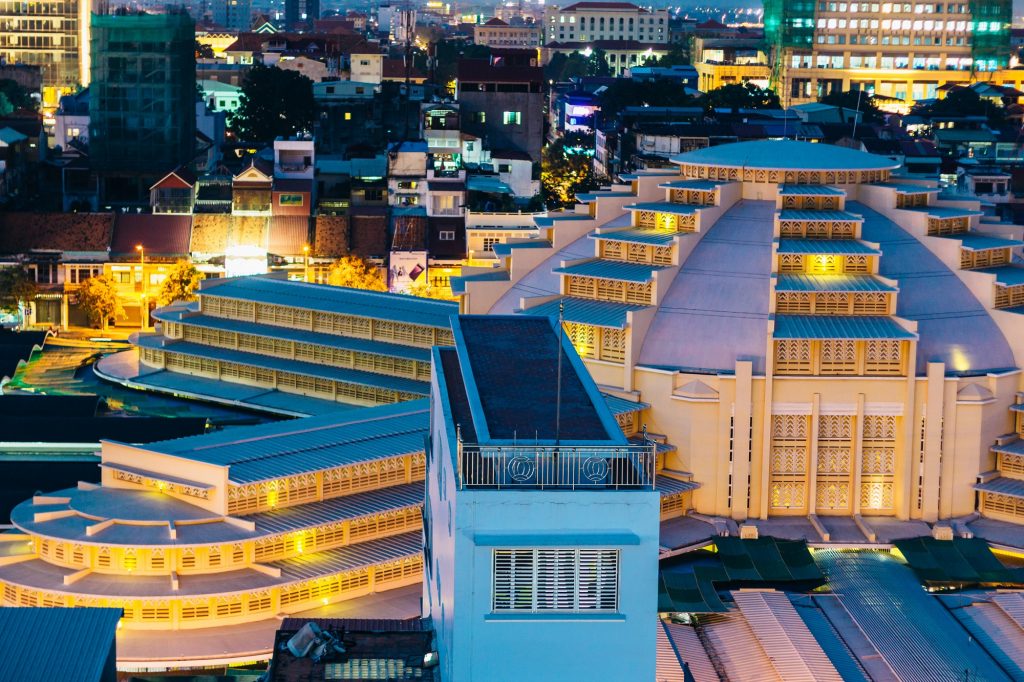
x,y
331,236
214,233
159,235
839,327
21,232
586,311
288,235
607,269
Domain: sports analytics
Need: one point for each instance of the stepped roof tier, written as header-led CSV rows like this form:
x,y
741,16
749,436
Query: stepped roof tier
x,y
785,155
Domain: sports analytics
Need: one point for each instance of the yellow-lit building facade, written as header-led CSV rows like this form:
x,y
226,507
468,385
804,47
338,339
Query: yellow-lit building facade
x,y
812,335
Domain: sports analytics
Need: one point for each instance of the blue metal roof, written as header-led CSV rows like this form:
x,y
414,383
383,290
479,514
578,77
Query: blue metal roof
x,y
313,369
458,283
298,335
785,155
667,485
908,188
72,644
841,247
550,219
586,311
664,207
622,406
976,241
1007,275
587,197
818,215
810,191
640,236
608,269
350,557
943,211
1002,485
831,643
502,250
850,283
838,327
325,298
701,185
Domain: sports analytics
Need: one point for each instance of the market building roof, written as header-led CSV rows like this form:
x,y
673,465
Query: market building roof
x,y
786,155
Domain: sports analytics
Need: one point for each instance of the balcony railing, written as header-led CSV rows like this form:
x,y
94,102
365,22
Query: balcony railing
x,y
550,467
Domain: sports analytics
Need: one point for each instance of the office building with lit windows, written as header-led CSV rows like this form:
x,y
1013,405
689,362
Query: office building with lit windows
x,y
898,50
628,34
811,334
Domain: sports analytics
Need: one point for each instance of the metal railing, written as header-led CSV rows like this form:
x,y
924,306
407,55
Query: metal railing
x,y
563,467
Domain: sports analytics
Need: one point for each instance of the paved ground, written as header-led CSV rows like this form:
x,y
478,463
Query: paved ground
x,y
684,531
999,532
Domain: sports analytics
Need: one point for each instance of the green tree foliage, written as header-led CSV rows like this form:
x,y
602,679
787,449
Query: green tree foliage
x,y
562,67
181,284
447,54
203,51
13,97
678,55
966,102
626,92
747,96
849,100
565,174
17,288
274,103
98,298
357,273
424,290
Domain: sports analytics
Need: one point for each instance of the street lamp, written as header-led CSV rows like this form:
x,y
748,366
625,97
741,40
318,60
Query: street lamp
x,y
305,251
143,307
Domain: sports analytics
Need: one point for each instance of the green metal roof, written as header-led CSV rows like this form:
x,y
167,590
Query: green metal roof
x,y
700,185
610,269
841,247
588,197
1007,275
586,311
664,207
640,236
786,155
622,406
846,283
811,191
962,560
838,327
976,241
325,298
819,215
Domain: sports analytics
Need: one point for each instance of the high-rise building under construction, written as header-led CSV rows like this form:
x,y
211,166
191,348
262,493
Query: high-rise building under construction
x,y
899,50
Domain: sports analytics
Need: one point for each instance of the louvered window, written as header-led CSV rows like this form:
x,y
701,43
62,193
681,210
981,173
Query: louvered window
x,y
569,580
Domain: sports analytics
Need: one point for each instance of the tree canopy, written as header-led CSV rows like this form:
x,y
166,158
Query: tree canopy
x,y
98,298
564,174
855,101
357,273
966,102
746,96
17,288
274,103
626,92
424,290
562,67
13,97
180,285
447,54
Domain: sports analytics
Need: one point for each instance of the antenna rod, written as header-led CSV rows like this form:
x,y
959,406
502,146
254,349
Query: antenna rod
x,y
856,115
558,389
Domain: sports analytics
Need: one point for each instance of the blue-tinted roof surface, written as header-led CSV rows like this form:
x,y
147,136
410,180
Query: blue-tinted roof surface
x,y
326,298
796,282
908,188
70,644
954,328
785,154
609,269
513,367
843,247
810,191
976,241
664,207
586,311
817,215
943,211
1007,275
838,327
701,185
641,236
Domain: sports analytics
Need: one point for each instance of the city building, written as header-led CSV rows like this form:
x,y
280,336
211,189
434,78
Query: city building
x,y
54,37
221,96
234,15
840,314
628,34
904,51
497,33
502,104
541,518
141,101
298,13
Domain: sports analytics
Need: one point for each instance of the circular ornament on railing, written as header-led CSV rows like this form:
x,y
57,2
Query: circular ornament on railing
x,y
521,468
595,469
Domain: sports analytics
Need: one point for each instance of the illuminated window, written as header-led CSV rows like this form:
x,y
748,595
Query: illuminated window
x,y
512,118
291,200
348,115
